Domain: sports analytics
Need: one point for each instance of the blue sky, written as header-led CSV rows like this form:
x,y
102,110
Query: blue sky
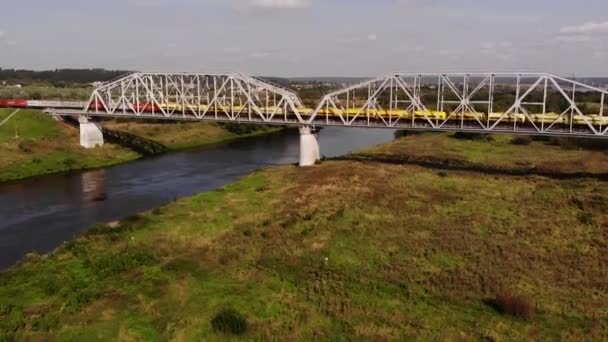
x,y
308,37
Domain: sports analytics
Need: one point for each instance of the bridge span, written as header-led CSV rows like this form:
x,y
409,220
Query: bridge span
x,y
520,103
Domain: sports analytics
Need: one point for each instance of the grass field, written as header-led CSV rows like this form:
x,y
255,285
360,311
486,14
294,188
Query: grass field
x,y
499,152
33,144
345,250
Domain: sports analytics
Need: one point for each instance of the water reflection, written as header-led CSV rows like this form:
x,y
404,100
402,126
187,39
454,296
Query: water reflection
x,y
93,185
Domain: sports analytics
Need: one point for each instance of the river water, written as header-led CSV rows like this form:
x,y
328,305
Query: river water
x,y
39,214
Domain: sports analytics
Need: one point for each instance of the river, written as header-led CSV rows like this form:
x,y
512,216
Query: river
x,y
39,214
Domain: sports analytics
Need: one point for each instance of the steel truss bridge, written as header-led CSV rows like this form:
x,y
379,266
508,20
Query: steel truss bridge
x,y
466,102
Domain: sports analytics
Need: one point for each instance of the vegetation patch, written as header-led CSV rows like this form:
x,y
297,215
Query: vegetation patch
x,y
229,321
521,140
518,306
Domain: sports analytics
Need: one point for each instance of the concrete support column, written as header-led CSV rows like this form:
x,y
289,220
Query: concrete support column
x,y
91,134
309,147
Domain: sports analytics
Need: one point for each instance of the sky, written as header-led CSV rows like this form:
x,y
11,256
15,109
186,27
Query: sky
x,y
308,37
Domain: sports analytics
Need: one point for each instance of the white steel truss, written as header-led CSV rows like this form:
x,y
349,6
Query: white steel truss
x,y
223,97
476,102
527,103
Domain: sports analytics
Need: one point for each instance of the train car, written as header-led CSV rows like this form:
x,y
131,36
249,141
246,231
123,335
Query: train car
x,y
582,119
431,114
509,118
549,118
470,116
10,103
599,120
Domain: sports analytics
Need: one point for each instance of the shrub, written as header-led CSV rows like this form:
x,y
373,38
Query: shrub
x,y
69,162
472,136
585,217
401,133
521,140
514,305
229,321
26,146
578,143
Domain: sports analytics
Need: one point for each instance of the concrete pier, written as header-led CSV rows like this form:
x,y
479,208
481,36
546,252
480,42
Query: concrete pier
x,y
91,134
309,147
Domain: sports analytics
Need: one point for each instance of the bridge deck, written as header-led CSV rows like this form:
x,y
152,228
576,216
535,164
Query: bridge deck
x,y
334,121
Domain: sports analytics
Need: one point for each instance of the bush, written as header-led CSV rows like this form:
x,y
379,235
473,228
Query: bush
x,y
242,129
229,321
26,146
472,136
401,133
585,218
521,140
514,305
578,143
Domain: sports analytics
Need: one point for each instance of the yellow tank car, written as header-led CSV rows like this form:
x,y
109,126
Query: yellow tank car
x,y
549,118
599,120
271,110
470,116
402,114
435,115
582,119
305,112
169,106
512,117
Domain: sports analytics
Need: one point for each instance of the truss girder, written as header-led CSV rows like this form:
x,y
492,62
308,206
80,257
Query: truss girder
x,y
424,101
180,96
466,102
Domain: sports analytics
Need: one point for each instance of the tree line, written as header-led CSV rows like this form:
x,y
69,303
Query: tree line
x,y
59,77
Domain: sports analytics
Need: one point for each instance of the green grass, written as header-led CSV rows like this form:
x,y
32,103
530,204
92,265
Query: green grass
x,y
499,152
27,124
344,250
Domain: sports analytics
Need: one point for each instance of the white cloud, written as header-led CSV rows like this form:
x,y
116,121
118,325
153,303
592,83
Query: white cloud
x,y
589,28
2,34
372,37
280,4
572,39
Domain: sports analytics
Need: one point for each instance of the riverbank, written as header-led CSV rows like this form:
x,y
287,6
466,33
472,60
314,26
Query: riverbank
x,y
33,144
362,250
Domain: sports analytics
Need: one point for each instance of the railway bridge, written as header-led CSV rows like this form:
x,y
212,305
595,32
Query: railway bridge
x,y
519,103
